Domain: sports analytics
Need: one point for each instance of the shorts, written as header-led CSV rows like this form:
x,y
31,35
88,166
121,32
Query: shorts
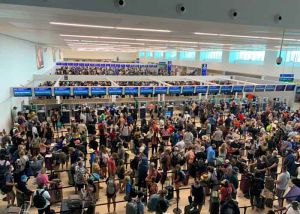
x,y
80,186
111,195
280,193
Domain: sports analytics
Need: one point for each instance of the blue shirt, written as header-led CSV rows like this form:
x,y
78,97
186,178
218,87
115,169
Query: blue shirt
x,y
211,154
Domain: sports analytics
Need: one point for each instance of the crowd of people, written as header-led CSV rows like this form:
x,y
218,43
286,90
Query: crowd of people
x,y
211,149
70,70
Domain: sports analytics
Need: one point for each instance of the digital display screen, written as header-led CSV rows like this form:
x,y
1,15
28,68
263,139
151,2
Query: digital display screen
x,y
201,89
214,89
188,89
146,90
290,87
62,91
98,91
22,92
270,87
131,90
115,91
81,91
161,90
249,88
81,64
39,92
226,88
238,88
174,90
260,88
280,87
70,64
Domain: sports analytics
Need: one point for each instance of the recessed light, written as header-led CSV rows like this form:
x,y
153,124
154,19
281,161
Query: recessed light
x,y
109,27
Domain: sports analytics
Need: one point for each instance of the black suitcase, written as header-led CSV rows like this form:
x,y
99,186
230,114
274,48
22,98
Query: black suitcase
x,y
170,192
189,209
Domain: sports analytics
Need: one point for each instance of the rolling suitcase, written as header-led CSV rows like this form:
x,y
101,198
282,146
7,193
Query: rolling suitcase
x,y
189,209
170,192
245,184
55,191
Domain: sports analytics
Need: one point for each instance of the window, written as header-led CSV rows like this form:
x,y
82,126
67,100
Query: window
x,y
187,55
247,57
211,55
149,54
290,58
141,54
158,55
171,55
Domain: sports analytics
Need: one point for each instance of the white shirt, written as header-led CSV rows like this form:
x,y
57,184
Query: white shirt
x,y
290,210
180,145
46,195
82,128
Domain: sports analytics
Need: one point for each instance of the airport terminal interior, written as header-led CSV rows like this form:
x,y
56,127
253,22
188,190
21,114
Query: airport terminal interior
x,y
136,107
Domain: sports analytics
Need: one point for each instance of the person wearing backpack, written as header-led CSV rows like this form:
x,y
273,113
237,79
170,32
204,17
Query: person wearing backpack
x,y
225,191
111,192
41,200
179,178
198,192
256,187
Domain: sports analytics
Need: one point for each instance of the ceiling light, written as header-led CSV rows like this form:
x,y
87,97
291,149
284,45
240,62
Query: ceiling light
x,y
244,36
109,27
127,43
131,39
143,29
71,40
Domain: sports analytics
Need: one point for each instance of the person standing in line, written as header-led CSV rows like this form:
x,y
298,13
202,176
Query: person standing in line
x,y
45,194
282,185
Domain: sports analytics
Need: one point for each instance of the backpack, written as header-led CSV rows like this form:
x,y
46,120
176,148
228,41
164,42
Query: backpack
x,y
256,186
131,208
158,177
134,163
38,200
111,189
3,171
182,176
230,207
174,159
162,205
20,120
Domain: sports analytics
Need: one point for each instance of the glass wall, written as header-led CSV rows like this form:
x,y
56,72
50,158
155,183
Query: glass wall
x,y
187,55
170,55
246,57
141,54
211,55
149,54
290,58
158,54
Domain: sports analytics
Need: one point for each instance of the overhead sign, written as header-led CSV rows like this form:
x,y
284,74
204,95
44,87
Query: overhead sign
x,y
204,70
286,77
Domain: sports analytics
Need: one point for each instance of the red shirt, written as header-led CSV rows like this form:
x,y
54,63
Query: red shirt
x,y
225,192
111,165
